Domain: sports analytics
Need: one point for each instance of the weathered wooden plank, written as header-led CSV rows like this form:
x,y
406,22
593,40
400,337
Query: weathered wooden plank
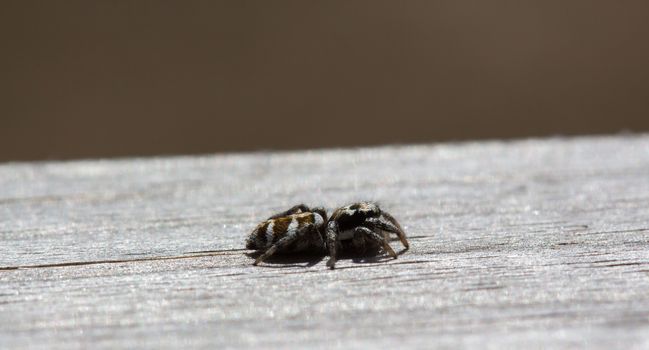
x,y
540,243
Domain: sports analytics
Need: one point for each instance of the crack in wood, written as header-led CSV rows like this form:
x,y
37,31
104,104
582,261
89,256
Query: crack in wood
x,y
120,261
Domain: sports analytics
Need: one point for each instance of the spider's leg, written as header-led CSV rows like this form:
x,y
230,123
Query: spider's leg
x,y
284,242
378,238
318,240
332,236
300,208
387,223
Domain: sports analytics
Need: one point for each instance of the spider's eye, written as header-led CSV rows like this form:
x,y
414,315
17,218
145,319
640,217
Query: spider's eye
x,y
371,210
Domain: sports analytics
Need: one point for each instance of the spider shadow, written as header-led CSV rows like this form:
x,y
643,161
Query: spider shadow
x,y
302,259
309,259
370,257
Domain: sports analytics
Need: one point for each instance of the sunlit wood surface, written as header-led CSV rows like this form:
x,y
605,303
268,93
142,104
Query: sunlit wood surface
x,y
525,244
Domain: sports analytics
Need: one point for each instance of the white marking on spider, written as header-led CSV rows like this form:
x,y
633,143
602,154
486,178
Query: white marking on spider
x,y
319,220
269,234
292,226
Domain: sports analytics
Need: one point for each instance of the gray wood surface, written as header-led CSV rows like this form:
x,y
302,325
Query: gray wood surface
x,y
535,243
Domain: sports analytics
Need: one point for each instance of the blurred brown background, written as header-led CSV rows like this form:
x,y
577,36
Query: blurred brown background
x,y
117,78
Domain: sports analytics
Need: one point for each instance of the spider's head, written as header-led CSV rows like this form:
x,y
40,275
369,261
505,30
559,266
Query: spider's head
x,y
365,209
357,213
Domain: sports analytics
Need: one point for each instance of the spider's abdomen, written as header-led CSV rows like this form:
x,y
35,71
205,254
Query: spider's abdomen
x,y
270,231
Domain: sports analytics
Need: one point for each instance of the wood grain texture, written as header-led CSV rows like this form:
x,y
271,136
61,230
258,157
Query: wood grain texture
x,y
536,243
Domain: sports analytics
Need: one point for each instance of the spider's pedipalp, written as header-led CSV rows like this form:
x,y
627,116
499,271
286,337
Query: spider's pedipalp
x,y
377,238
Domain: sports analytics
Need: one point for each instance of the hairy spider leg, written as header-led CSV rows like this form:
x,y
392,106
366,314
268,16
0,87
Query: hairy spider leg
x,y
332,235
389,224
285,241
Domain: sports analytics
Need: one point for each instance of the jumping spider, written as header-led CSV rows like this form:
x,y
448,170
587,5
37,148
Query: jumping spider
x,y
356,227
